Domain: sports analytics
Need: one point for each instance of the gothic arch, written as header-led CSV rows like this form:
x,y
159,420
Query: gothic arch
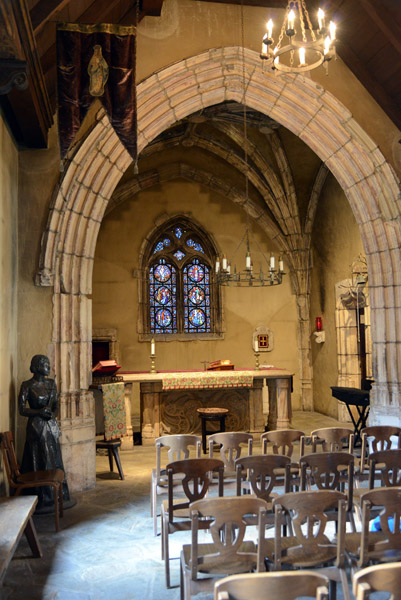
x,y
178,90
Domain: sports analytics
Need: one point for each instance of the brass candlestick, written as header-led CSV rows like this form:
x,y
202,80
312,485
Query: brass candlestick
x,y
153,363
257,361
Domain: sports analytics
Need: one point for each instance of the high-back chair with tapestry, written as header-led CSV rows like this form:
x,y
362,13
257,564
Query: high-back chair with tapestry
x,y
115,423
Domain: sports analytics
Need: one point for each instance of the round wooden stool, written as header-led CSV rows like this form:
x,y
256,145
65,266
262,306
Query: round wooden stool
x,y
212,414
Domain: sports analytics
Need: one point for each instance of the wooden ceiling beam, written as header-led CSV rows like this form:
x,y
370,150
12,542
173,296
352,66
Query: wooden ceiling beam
x,y
44,11
385,22
375,89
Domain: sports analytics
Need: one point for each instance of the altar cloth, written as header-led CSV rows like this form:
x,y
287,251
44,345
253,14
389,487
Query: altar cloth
x,y
207,380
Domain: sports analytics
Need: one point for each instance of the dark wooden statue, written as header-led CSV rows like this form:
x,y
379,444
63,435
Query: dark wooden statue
x,y
38,401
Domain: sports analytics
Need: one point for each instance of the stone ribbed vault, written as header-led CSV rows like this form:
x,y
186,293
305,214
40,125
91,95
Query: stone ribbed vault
x,y
96,166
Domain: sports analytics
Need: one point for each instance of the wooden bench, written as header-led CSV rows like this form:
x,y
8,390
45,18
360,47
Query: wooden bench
x,y
16,519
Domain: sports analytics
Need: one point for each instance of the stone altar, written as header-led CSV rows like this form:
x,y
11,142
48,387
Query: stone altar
x,y
169,399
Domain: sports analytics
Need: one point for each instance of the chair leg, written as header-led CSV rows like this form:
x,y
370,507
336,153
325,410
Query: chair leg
x,y
116,455
60,496
56,508
110,453
166,555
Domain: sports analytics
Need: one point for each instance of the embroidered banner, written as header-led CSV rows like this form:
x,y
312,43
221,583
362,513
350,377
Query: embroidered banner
x,y
205,380
115,418
96,61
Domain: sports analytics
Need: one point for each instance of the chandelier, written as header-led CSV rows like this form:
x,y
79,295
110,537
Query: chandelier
x,y
306,49
247,277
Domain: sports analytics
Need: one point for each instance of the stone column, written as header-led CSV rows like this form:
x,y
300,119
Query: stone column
x,y
279,403
256,420
150,412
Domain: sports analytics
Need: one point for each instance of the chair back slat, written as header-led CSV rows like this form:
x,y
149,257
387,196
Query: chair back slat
x,y
9,458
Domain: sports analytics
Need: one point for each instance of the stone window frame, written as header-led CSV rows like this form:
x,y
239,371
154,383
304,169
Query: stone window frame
x,y
145,257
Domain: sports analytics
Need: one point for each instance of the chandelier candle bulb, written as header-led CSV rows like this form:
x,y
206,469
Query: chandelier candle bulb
x,y
332,29
291,21
301,57
269,27
272,263
224,264
248,264
327,43
228,269
320,18
281,265
152,347
217,264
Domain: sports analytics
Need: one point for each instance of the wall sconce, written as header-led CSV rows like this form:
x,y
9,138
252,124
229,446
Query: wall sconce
x,y
320,335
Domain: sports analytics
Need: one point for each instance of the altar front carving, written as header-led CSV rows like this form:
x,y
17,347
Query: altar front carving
x,y
169,400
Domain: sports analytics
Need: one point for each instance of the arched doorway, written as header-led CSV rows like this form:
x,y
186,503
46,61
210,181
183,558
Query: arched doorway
x,y
97,165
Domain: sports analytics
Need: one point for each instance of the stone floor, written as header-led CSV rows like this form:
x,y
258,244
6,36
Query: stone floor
x,y
106,548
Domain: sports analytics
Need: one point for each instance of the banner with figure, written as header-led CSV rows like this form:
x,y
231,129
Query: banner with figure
x,y
96,61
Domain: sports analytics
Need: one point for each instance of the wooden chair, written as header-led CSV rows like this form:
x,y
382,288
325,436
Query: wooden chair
x,y
287,585
195,477
374,439
262,475
385,467
333,439
330,471
23,481
228,552
378,578
310,546
178,447
383,545
231,446
282,442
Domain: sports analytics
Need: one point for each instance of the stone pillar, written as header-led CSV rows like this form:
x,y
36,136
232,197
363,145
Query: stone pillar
x,y
256,420
150,412
77,440
279,403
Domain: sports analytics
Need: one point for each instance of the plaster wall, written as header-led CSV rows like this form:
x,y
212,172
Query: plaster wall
x,y
335,244
8,279
115,291
38,174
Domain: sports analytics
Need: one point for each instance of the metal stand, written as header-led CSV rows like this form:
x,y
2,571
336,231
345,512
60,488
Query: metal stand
x,y
153,363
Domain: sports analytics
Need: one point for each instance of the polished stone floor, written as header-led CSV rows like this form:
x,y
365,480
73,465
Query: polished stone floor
x,y
106,548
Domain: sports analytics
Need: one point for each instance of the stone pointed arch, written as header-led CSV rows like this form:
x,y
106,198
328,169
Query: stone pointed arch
x,y
94,170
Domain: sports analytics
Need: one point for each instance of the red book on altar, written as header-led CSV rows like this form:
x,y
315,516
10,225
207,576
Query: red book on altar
x,y
106,367
221,365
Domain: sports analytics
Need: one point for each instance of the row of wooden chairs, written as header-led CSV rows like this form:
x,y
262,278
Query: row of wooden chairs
x,y
376,438
311,545
292,585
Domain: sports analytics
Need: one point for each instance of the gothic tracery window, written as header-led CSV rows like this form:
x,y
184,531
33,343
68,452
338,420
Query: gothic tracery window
x,y
180,295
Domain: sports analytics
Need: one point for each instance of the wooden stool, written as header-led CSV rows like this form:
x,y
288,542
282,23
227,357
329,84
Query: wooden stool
x,y
112,447
212,414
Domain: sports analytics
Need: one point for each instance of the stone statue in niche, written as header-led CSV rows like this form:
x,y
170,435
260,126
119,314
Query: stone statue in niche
x,y
37,400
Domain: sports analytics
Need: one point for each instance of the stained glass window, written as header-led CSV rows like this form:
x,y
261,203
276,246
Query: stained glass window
x,y
163,297
180,296
196,277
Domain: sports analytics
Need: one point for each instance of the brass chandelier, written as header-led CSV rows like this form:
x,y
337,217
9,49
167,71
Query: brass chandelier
x,y
225,273
306,49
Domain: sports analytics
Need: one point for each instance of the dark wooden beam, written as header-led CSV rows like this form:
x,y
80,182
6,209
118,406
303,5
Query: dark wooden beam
x,y
29,109
385,22
374,88
44,11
